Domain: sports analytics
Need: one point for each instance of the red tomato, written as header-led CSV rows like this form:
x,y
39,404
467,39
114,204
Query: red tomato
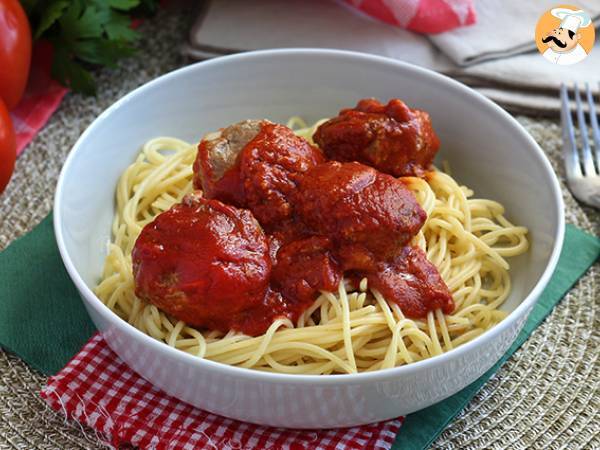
x,y
7,147
15,51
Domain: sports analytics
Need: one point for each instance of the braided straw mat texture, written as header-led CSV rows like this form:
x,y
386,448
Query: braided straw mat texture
x,y
545,396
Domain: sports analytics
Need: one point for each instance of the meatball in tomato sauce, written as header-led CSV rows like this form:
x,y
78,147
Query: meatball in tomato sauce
x,y
256,165
359,207
205,263
272,165
392,138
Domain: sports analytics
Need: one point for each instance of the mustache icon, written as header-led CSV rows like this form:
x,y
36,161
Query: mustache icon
x,y
558,42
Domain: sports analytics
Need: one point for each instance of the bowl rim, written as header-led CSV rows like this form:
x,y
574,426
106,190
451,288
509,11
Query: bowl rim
x,y
343,379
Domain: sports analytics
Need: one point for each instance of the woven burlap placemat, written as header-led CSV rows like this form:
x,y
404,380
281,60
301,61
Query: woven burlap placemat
x,y
545,396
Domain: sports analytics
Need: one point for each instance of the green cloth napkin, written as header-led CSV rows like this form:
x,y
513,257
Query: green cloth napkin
x,y
42,318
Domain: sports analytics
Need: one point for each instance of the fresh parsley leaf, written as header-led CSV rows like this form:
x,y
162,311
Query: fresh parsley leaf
x,y
86,33
71,74
123,5
119,28
68,21
50,15
89,23
101,51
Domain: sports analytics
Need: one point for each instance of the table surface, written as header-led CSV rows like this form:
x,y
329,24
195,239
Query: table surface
x,y
545,396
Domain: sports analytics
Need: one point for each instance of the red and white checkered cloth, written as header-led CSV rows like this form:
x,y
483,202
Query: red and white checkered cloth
x,y
99,390
41,98
422,16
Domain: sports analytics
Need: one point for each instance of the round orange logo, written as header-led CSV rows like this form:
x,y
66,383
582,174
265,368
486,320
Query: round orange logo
x,y
565,35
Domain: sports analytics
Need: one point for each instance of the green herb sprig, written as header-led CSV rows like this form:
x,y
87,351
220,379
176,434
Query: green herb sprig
x,y
86,33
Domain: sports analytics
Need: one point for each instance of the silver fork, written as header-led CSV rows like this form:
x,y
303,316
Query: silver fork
x,y
583,173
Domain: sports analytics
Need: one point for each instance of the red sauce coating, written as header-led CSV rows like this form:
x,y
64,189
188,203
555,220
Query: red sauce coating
x,y
213,265
391,138
271,166
412,282
304,267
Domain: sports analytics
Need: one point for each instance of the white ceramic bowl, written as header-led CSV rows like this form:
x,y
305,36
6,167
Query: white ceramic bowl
x,y
487,149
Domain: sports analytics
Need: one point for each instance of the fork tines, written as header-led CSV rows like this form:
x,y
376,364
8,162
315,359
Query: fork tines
x,y
585,165
582,165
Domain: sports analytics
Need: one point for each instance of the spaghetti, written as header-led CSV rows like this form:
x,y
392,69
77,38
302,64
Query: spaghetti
x,y
348,331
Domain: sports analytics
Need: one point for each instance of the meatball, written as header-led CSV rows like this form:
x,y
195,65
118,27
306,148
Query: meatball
x,y
413,283
358,206
391,138
216,168
255,165
203,262
271,166
305,267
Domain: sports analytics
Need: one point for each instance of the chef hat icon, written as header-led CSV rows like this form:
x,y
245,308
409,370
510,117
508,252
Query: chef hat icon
x,y
572,20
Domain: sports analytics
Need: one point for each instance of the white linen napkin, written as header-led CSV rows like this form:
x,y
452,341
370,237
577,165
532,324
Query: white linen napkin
x,y
497,55
503,28
230,26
